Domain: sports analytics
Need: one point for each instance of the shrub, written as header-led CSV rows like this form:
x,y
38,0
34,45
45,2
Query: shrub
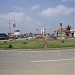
x,y
62,41
5,41
24,42
10,46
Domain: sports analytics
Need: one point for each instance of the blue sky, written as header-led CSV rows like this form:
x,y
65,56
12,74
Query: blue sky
x,y
31,15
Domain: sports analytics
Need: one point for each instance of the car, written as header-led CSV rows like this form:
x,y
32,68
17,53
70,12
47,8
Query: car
x,y
3,36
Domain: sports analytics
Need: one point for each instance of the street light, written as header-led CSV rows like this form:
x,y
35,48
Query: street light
x,y
61,25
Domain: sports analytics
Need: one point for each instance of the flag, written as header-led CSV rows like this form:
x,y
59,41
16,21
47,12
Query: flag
x,y
14,25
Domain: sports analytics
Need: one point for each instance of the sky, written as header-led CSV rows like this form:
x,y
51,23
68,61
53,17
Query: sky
x,y
32,15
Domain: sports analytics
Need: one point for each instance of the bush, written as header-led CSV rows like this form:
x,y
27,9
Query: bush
x,y
5,41
10,46
62,41
24,42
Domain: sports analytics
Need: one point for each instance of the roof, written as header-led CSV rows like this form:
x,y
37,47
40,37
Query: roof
x,y
72,30
63,30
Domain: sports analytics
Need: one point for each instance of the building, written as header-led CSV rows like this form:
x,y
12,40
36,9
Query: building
x,y
63,32
43,31
72,34
17,32
15,35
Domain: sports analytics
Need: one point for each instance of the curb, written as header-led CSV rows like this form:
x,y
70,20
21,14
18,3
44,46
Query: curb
x,y
43,49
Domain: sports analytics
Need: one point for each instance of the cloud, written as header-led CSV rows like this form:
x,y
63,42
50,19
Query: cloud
x,y
28,19
57,10
35,7
10,16
24,23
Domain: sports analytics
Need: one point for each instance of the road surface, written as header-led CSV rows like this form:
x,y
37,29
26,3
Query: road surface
x,y
50,62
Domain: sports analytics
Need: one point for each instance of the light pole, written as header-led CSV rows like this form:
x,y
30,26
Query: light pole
x,y
61,29
61,25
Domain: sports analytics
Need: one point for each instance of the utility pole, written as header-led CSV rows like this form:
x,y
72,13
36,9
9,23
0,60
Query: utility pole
x,y
14,25
9,29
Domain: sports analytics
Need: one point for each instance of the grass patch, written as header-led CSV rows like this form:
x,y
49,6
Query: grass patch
x,y
37,44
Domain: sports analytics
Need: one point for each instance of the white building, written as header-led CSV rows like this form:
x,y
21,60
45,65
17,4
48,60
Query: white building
x,y
73,33
16,34
43,31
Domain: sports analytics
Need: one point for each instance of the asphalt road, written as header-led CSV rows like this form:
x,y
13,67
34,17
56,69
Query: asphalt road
x,y
50,62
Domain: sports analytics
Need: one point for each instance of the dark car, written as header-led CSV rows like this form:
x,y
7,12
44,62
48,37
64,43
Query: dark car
x,y
3,36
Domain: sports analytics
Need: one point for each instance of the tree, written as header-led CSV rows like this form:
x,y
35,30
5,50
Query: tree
x,y
68,27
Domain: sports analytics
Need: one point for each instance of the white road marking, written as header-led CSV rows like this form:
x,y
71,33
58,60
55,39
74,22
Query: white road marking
x,y
41,61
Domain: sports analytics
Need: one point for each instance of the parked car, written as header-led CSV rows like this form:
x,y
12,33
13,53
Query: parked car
x,y
3,36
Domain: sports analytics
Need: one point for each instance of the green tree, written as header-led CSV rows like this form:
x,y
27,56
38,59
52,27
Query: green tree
x,y
68,27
